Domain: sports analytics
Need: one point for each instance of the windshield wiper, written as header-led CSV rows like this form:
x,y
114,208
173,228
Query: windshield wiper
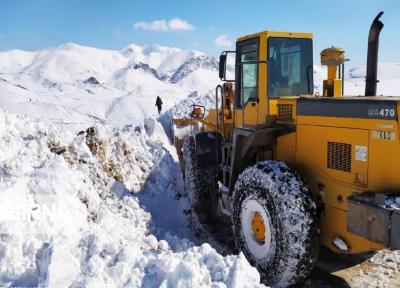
x,y
309,78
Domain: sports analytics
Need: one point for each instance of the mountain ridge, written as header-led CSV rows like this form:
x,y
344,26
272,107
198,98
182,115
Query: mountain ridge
x,y
58,77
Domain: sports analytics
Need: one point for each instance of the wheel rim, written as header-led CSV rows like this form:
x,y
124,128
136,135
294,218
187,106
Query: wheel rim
x,y
256,226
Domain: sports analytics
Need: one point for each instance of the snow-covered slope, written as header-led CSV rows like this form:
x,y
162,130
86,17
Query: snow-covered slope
x,y
388,76
100,209
122,82
165,59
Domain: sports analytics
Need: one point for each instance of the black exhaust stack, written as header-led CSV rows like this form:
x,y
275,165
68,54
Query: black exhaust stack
x,y
372,58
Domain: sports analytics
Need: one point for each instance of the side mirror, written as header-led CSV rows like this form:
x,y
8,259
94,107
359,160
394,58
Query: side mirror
x,y
222,66
198,111
223,59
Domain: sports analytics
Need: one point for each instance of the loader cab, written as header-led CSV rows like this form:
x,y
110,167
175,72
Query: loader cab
x,y
269,65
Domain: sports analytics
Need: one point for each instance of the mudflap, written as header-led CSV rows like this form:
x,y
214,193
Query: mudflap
x,y
207,149
369,217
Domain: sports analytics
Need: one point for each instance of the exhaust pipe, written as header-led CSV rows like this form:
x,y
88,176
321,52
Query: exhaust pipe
x,y
372,58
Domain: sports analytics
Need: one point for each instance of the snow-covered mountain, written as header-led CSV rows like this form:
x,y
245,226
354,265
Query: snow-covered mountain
x,y
202,62
388,76
76,84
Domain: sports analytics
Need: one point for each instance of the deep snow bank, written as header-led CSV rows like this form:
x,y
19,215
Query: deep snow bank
x,y
182,110
81,211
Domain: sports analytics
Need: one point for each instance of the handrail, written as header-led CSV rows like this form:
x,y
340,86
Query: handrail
x,y
216,104
217,118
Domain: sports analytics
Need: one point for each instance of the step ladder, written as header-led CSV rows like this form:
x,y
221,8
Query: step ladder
x,y
225,165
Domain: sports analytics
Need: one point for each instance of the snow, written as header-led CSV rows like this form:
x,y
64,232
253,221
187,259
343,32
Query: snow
x,y
339,243
393,203
388,76
164,59
12,61
51,84
101,213
202,79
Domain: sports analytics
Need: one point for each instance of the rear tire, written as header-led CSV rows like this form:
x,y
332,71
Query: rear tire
x,y
286,253
201,184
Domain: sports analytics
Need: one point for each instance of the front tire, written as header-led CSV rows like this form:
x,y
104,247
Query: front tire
x,y
274,223
201,184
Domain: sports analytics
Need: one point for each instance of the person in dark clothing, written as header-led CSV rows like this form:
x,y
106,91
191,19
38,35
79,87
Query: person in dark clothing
x,y
159,104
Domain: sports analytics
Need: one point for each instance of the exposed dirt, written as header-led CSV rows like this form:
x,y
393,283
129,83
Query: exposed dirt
x,y
380,269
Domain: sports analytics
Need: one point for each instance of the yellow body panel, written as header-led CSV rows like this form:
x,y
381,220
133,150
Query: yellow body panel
x,y
312,144
250,115
378,173
286,149
239,118
385,159
336,85
333,223
268,33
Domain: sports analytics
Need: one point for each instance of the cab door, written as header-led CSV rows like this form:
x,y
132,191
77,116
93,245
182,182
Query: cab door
x,y
247,83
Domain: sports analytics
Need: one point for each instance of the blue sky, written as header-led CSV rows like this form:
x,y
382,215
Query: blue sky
x,y
37,24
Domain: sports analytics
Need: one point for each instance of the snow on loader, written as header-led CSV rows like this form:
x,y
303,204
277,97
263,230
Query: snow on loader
x,y
248,159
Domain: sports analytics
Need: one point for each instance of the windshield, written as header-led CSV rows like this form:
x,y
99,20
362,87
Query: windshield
x,y
290,67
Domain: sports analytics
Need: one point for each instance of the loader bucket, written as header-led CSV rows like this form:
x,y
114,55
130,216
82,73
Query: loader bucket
x,y
180,128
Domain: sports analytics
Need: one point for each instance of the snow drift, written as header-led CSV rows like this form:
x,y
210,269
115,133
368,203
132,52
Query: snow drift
x,y
73,212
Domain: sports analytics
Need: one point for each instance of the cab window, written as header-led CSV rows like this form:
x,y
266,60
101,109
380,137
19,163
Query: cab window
x,y
290,67
247,71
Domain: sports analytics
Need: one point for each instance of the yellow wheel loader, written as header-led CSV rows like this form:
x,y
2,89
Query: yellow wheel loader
x,y
289,169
